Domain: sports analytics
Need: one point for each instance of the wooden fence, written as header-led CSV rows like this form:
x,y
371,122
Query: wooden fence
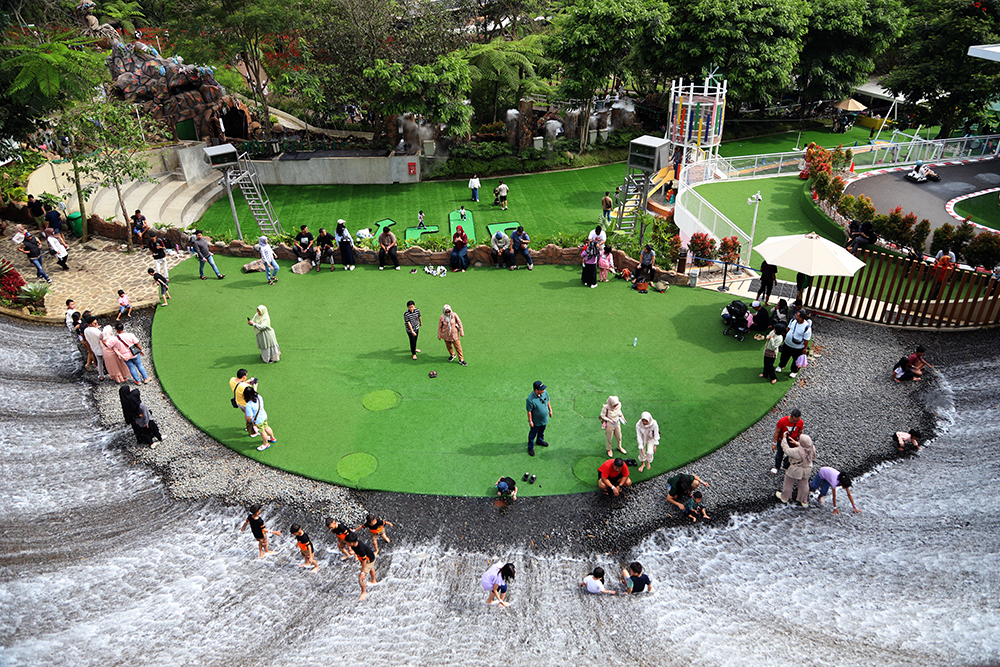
x,y
898,291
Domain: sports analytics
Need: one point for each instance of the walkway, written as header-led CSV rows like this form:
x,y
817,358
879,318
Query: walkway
x,y
95,276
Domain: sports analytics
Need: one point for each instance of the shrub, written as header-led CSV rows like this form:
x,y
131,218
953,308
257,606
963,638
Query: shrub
x,y
963,236
729,249
834,191
702,246
920,233
984,250
34,292
493,128
942,237
821,185
846,206
864,210
11,281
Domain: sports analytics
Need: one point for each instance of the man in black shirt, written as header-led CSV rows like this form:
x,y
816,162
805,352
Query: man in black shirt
x,y
326,244
36,211
366,557
30,248
303,247
54,220
158,247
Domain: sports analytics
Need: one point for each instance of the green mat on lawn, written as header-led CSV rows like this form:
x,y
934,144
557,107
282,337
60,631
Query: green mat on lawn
x,y
414,233
348,405
505,227
468,225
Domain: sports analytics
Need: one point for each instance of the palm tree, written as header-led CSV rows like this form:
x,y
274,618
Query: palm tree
x,y
504,65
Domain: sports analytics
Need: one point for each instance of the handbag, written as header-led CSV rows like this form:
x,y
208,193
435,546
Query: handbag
x,y
233,399
802,361
134,350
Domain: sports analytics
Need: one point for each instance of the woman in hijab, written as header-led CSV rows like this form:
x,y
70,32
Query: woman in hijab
x,y
459,250
647,432
116,368
611,421
267,257
799,470
450,330
346,245
137,415
267,342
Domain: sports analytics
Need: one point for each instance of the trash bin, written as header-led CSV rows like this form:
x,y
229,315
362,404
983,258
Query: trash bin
x,y
693,278
75,221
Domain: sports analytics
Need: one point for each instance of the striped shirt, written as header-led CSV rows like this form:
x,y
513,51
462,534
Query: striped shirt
x,y
413,319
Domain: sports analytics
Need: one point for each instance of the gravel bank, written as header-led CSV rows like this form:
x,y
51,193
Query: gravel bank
x,y
847,397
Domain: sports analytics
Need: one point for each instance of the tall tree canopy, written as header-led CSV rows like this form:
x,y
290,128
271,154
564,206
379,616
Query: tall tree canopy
x,y
933,64
843,40
754,43
501,69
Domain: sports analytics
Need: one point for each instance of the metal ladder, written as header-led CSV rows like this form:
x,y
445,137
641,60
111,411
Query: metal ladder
x,y
635,190
245,176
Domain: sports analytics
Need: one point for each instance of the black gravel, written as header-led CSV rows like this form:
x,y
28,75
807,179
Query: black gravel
x,y
848,400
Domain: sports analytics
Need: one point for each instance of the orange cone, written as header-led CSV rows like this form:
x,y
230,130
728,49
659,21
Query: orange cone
x,y
852,166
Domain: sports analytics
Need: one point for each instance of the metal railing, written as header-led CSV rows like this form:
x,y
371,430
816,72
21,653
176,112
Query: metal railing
x,y
693,213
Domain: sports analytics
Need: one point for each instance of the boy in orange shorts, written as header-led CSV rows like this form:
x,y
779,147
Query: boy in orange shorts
x,y
367,559
376,526
341,531
305,546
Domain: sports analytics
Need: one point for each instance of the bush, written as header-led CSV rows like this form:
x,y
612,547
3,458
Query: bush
x,y
11,281
942,237
864,210
729,249
846,206
834,191
34,293
963,236
984,250
493,128
622,138
701,245
920,233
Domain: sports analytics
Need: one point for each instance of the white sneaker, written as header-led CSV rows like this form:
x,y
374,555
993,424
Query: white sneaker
x,y
778,369
397,268
381,268
791,375
774,471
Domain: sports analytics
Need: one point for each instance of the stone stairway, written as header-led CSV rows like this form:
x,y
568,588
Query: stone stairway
x,y
167,200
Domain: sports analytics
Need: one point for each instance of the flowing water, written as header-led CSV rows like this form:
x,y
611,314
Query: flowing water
x,y
99,567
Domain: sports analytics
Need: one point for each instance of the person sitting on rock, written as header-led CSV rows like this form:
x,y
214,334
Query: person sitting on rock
x,y
303,247
326,244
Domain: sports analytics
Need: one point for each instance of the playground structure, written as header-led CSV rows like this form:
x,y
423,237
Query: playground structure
x,y
695,121
238,170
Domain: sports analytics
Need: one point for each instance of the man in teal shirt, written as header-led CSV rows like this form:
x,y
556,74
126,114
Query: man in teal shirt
x,y
539,411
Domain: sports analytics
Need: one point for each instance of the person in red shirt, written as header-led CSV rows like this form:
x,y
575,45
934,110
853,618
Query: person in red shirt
x,y
790,425
612,476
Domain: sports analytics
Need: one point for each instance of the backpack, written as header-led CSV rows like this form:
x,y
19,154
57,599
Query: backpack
x,y
592,250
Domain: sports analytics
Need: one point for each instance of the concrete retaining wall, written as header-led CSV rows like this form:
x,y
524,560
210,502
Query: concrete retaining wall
x,y
339,170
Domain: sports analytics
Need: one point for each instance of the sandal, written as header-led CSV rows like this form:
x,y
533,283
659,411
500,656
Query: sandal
x,y
622,450
263,447
610,455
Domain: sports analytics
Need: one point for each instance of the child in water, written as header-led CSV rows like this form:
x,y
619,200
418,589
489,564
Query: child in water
x,y
693,507
305,546
595,582
635,581
376,526
259,531
904,441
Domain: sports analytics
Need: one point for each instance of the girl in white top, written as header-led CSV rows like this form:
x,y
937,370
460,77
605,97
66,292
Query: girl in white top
x,y
647,432
595,582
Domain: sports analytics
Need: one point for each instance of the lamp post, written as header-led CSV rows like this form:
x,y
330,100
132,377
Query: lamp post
x,y
755,202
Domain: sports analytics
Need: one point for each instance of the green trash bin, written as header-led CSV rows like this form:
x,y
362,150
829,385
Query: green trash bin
x,y
75,221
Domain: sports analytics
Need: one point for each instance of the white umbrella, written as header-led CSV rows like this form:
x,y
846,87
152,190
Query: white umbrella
x,y
850,104
810,254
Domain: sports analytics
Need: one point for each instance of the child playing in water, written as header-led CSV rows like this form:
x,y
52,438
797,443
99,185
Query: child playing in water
x,y
830,478
693,507
635,581
595,582
367,559
259,531
341,531
305,546
376,526
903,440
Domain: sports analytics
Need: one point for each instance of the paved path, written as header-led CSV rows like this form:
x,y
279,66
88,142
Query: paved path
x,y
927,200
95,276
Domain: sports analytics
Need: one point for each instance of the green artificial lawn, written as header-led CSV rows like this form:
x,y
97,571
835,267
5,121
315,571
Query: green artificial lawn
x,y
780,212
785,141
559,201
982,209
349,406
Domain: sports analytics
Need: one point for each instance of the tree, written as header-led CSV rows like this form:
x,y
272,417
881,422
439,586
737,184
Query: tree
x,y
984,250
123,12
438,91
501,67
932,64
108,146
587,42
842,41
754,44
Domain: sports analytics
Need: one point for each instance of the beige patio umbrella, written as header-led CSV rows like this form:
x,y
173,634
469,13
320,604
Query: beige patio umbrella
x,y
850,104
810,254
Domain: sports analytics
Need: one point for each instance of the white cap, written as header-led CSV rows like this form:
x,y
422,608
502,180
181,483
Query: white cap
x,y
341,221
755,304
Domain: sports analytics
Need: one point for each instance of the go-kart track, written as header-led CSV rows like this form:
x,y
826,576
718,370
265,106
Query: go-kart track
x,y
888,188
